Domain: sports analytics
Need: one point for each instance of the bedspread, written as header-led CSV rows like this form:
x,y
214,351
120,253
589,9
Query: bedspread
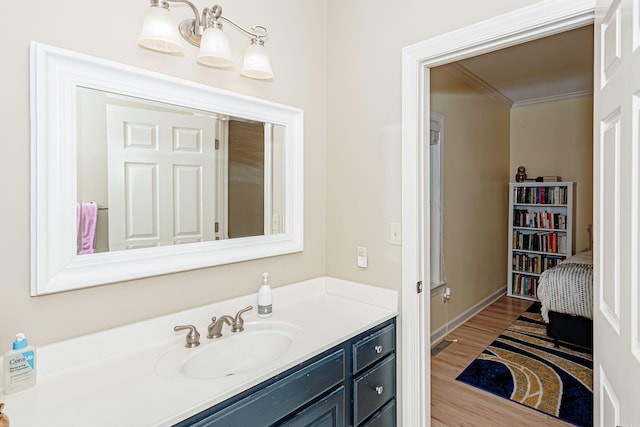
x,y
568,288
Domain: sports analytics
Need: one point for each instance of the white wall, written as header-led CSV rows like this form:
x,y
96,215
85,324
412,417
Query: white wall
x,y
365,40
351,96
109,30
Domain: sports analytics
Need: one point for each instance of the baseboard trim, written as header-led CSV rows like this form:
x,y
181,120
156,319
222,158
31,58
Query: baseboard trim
x,y
439,334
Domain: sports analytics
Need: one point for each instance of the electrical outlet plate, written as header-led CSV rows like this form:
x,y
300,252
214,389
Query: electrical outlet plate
x,y
362,261
362,257
446,295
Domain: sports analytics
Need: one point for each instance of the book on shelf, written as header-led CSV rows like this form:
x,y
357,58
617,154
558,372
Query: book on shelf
x,y
562,245
532,219
543,241
554,195
524,285
534,263
549,178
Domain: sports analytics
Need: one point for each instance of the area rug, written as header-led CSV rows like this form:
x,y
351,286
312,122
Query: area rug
x,y
523,366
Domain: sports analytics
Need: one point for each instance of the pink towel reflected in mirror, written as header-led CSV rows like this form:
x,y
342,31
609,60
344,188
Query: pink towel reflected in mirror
x,y
88,220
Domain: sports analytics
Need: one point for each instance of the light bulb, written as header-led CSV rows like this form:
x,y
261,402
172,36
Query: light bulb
x,y
214,49
160,31
256,62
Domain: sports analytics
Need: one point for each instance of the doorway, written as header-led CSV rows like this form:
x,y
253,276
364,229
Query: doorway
x,y
526,24
527,105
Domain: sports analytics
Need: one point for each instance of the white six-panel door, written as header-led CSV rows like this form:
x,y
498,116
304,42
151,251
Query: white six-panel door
x,y
161,178
616,220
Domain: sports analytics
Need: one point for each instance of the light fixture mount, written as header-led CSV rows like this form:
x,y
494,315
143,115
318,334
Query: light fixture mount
x,y
192,29
158,35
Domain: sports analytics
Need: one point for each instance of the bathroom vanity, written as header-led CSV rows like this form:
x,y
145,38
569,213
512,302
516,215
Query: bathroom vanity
x,y
327,354
325,357
351,384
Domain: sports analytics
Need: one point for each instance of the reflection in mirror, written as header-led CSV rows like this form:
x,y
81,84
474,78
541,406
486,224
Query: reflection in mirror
x,y
126,158
152,174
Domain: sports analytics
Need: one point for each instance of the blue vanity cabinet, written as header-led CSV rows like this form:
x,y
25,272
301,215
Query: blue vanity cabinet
x,y
385,417
351,384
271,401
374,378
328,412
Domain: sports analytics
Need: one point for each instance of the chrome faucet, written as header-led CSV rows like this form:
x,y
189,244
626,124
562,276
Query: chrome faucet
x,y
193,337
215,328
238,322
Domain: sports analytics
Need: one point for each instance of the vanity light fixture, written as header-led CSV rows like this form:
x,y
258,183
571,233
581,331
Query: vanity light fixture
x,y
161,33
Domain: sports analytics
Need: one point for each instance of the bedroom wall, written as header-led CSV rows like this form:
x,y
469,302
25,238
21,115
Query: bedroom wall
x,y
557,139
476,172
542,138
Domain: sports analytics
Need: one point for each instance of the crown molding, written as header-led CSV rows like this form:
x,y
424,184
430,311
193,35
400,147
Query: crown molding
x,y
493,93
553,98
475,81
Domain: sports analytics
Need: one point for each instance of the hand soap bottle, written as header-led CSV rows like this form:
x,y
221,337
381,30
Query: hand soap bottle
x,y
19,371
264,298
4,419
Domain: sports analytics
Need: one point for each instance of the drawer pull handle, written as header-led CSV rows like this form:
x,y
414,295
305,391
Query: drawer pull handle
x,y
378,349
379,389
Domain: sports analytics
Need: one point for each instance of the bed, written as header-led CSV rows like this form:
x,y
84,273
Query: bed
x,y
566,296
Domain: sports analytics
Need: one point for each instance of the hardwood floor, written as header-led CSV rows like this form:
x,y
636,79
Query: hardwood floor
x,y
457,404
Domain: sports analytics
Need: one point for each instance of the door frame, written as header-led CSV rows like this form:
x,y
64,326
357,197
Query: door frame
x,y
538,20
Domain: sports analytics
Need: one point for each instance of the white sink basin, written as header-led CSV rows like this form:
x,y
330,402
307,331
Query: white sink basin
x,y
260,344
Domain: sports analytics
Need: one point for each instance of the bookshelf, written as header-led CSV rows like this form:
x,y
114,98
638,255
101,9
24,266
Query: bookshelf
x,y
541,225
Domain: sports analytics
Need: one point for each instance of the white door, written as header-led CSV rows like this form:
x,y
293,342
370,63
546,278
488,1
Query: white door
x,y
616,220
161,178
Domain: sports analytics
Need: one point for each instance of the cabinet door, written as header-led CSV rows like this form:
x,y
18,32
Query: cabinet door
x,y
328,412
276,401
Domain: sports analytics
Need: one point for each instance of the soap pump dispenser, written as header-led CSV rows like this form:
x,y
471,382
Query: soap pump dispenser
x,y
19,366
265,306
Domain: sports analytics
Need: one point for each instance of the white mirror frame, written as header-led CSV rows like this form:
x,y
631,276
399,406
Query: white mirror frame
x,y
55,267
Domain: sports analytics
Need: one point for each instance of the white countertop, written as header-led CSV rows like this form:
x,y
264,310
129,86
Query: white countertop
x,y
109,378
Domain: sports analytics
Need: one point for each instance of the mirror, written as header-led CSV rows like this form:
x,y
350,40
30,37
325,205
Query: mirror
x,y
153,174
136,174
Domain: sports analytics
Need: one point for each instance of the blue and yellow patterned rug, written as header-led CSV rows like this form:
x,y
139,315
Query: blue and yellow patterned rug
x,y
522,365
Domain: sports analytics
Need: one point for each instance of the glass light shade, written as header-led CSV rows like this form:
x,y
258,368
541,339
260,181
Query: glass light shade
x,y
256,63
160,31
214,49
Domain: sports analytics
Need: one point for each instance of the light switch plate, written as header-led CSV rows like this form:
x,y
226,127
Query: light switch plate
x,y
395,234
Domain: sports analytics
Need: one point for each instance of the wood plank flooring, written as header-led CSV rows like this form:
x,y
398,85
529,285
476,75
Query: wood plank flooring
x,y
457,404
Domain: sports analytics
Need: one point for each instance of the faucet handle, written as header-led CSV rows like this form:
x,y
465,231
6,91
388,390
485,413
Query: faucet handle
x,y
193,337
238,323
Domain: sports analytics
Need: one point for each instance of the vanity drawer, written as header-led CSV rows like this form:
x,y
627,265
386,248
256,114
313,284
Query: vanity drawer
x,y
374,388
374,347
386,417
274,402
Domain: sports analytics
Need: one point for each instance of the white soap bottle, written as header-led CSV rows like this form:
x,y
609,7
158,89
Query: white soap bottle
x,y
265,306
19,371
